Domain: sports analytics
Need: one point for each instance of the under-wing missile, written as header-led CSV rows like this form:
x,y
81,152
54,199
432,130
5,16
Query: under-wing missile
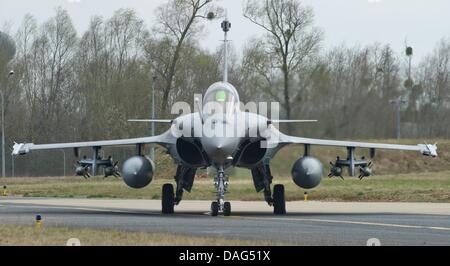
x,y
112,170
82,171
365,171
336,171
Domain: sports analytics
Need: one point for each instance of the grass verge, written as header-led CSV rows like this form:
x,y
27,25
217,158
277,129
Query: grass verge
x,y
15,235
422,187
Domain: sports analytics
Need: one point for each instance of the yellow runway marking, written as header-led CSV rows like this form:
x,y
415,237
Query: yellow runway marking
x,y
349,222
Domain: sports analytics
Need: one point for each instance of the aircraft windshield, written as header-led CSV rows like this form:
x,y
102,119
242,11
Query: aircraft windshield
x,y
220,98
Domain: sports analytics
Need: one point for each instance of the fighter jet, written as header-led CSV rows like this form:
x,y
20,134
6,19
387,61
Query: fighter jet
x,y
196,141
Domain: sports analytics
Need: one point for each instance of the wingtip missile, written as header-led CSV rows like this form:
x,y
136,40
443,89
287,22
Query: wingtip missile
x,y
21,149
429,150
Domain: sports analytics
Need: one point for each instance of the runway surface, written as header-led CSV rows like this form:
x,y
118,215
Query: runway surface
x,y
307,223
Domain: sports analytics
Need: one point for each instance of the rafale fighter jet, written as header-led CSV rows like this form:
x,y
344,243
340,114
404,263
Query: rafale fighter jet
x,y
253,147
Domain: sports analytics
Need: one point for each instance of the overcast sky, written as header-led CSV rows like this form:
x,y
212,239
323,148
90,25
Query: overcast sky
x,y
422,22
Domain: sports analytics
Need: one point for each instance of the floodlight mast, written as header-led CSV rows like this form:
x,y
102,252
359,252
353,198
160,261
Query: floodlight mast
x,y
226,26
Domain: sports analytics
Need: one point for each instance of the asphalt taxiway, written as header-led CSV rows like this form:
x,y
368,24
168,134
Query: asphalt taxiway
x,y
307,223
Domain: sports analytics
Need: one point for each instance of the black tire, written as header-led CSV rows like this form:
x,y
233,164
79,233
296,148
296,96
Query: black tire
x,y
168,199
227,209
214,209
279,200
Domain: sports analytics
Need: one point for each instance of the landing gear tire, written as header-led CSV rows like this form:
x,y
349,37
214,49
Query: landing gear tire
x,y
227,209
279,200
215,209
168,199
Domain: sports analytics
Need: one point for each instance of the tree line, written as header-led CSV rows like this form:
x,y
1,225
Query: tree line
x,y
80,86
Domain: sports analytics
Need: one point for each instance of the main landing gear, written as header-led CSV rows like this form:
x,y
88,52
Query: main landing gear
x,y
168,199
221,183
279,200
184,179
262,178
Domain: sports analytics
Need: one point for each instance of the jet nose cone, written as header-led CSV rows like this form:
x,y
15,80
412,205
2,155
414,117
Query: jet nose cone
x,y
222,145
220,149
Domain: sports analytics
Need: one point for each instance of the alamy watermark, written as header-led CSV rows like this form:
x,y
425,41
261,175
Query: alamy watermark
x,y
373,242
73,242
227,119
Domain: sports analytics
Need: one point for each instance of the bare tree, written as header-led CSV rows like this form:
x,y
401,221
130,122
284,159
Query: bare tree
x,y
45,67
432,92
178,22
291,39
112,73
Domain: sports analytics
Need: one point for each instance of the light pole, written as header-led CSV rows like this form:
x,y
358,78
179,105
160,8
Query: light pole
x,y
398,103
64,156
409,54
153,129
2,94
12,166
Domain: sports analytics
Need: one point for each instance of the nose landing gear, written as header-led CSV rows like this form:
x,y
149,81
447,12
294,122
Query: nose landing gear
x,y
221,183
262,178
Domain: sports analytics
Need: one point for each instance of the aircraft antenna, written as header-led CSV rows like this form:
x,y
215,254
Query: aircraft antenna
x,y
226,26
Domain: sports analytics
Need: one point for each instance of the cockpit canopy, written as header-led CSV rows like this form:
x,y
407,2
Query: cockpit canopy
x,y
221,97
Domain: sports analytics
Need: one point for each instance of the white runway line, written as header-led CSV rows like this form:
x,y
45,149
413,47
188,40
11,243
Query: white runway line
x,y
349,222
